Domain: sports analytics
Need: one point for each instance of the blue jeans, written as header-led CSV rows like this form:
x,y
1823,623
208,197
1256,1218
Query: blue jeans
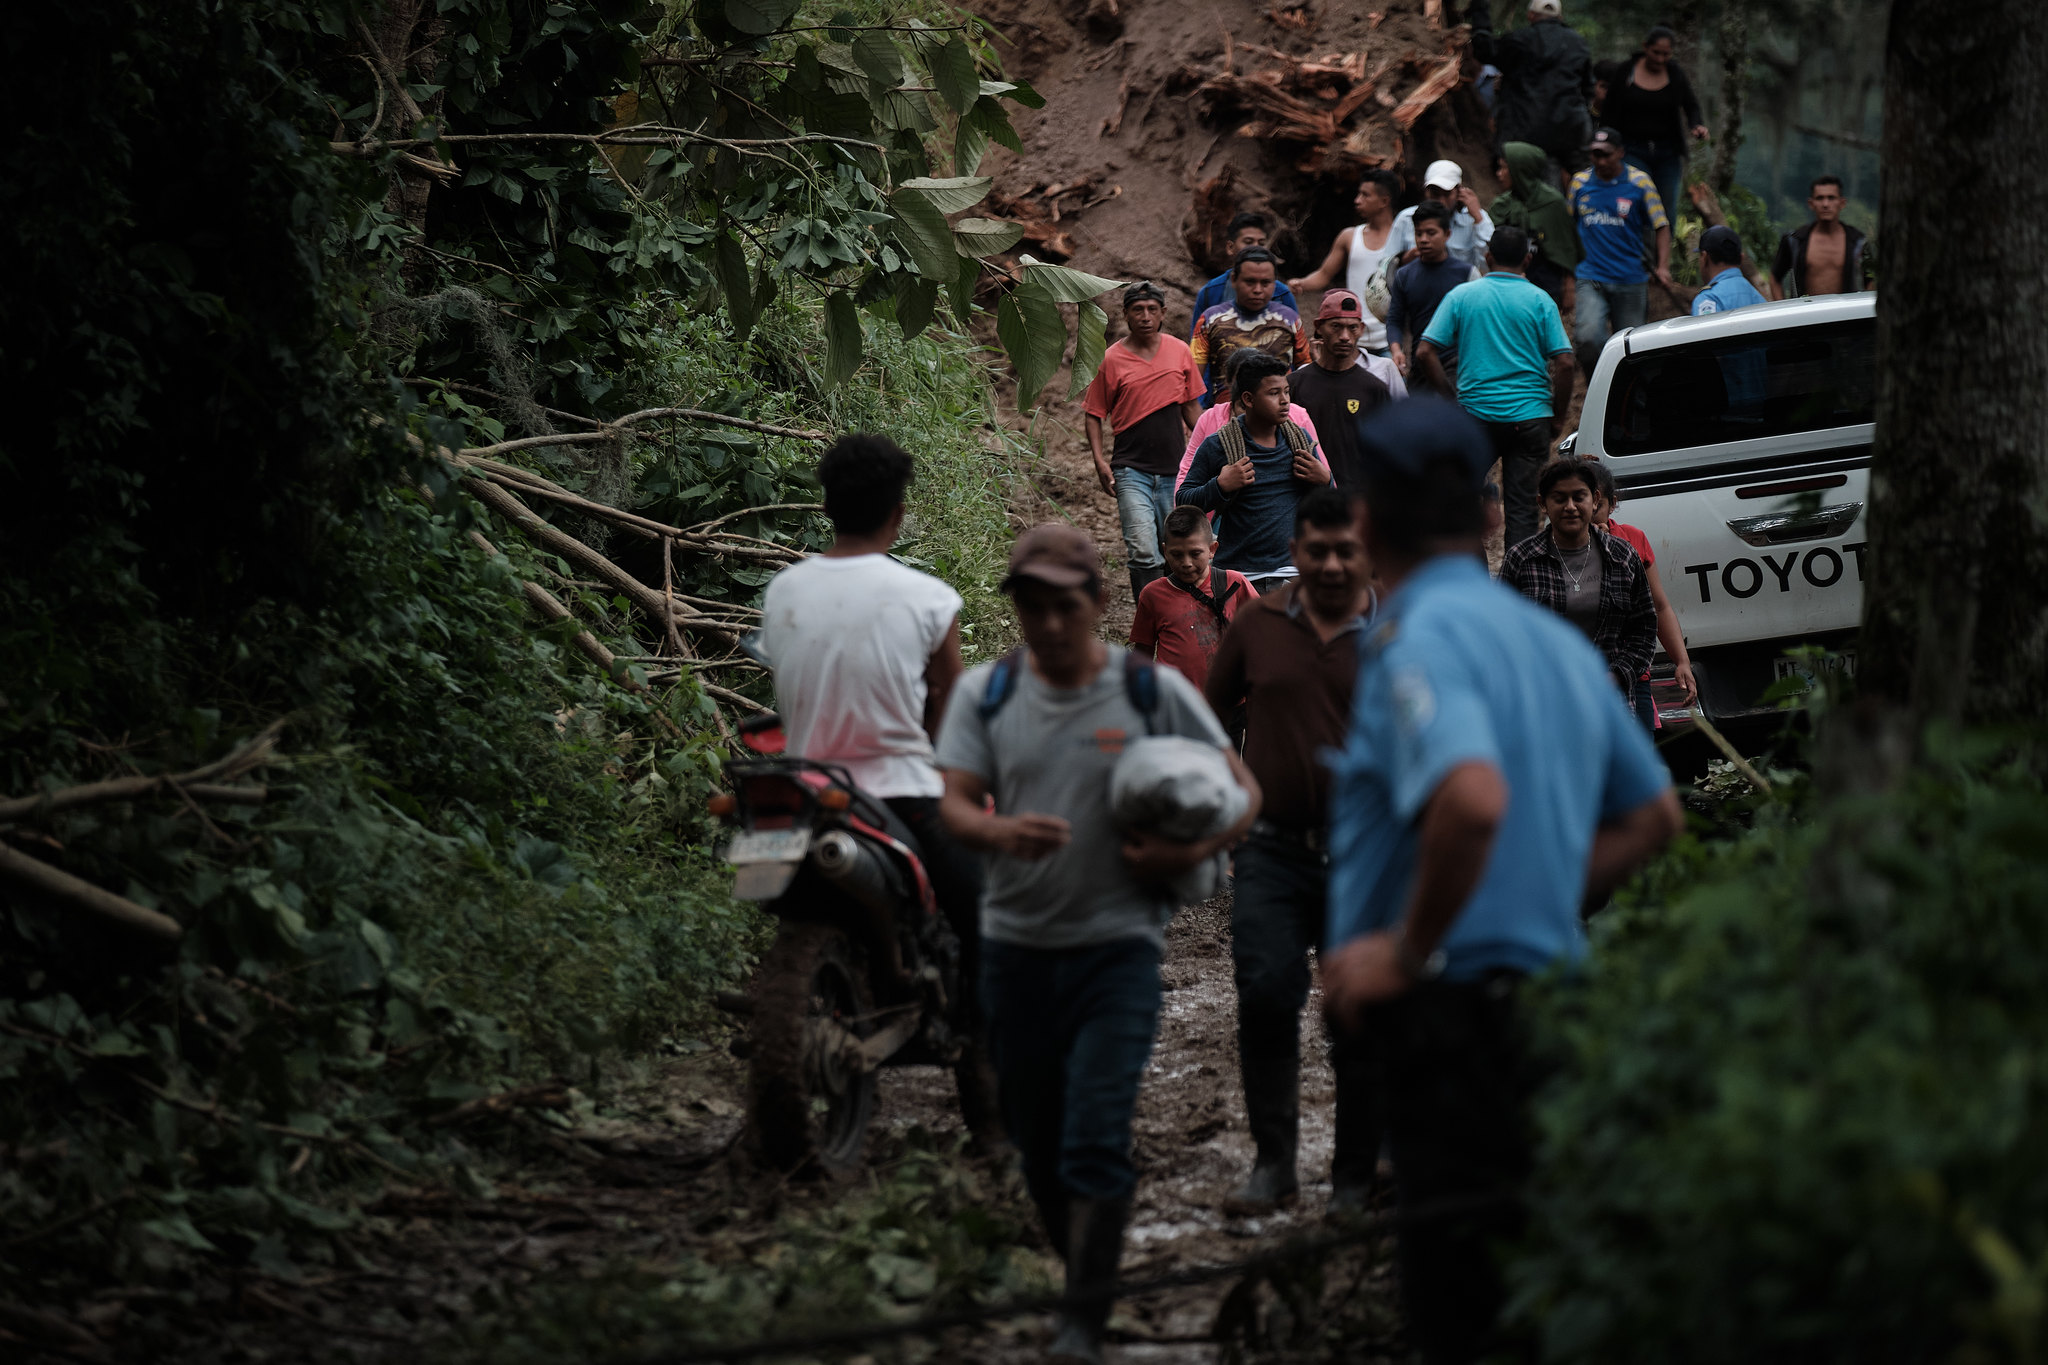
x,y
1142,502
1666,169
1604,309
1070,1031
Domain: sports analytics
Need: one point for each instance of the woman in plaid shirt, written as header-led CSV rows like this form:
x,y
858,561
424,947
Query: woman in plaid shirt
x,y
1591,578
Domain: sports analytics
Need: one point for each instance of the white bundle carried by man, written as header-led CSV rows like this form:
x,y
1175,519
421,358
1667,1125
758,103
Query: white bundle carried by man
x,y
1179,789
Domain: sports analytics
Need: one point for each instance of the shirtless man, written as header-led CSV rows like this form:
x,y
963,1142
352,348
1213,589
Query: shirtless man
x,y
1824,257
1361,252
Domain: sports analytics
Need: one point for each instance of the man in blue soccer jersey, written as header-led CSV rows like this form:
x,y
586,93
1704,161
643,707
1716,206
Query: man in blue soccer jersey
x,y
1622,226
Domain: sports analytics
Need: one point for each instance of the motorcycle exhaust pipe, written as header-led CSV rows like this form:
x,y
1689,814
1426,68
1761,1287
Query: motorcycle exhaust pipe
x,y
858,870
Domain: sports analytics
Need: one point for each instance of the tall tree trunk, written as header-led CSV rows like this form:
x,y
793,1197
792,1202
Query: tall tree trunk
x,y
1734,45
1955,616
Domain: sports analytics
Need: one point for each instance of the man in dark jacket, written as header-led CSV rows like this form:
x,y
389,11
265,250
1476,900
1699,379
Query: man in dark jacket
x,y
1546,81
1824,257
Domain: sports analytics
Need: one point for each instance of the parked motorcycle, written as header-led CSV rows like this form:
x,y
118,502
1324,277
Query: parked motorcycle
x,y
865,971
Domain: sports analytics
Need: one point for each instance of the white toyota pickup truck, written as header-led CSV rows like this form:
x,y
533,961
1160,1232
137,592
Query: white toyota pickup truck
x,y
1741,444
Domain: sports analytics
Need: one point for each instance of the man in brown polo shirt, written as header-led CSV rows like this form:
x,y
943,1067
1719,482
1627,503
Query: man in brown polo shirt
x,y
1290,657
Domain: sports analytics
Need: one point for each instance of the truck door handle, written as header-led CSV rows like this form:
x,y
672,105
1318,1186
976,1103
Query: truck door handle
x,y
1782,528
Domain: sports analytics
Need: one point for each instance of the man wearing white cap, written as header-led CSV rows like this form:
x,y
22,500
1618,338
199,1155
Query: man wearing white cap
x,y
1471,229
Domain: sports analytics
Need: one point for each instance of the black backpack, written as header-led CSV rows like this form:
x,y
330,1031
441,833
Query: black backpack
x,y
1141,686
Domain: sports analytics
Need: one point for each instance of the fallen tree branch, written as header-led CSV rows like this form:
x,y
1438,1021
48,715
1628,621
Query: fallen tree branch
x,y
541,1095
81,894
1434,87
634,135
744,423
737,699
647,599
754,549
251,753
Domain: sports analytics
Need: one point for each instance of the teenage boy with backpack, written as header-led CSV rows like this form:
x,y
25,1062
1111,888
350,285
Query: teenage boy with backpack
x,y
1255,471
1074,912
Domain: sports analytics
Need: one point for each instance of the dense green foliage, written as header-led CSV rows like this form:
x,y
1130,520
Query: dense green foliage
x,y
1802,1105
479,856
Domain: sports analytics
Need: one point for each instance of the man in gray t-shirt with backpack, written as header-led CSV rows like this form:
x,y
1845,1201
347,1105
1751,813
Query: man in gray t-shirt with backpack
x,y
1074,911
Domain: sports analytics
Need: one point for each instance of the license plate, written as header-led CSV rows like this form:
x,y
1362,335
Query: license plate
x,y
769,846
1786,666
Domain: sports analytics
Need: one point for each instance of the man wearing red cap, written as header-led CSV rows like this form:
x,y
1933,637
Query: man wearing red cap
x,y
1074,912
1337,390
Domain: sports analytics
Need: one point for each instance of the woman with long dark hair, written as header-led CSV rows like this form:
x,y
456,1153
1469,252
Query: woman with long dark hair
x,y
1652,105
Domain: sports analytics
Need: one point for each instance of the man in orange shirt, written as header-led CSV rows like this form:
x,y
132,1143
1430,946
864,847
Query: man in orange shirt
x,y
1148,390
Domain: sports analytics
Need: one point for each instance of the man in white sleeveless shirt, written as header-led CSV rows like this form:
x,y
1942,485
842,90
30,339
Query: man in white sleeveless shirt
x,y
866,651
1361,252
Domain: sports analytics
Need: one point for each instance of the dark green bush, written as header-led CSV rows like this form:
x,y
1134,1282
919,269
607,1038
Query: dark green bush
x,y
1802,1112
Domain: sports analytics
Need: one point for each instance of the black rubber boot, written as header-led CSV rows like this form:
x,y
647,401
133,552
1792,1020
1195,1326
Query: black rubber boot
x,y
1095,1244
1272,1103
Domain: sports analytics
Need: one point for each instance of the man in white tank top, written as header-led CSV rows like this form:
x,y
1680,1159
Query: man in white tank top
x,y
865,651
1361,253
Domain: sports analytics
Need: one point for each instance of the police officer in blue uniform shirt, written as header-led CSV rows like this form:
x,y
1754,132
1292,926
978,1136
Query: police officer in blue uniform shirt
x,y
1493,783
1721,267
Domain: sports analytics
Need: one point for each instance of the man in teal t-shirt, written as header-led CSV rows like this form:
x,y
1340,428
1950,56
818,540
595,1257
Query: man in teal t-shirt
x,y
1515,368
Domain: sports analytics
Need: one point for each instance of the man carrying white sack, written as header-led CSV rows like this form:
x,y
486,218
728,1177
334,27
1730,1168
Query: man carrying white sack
x,y
1074,911
1290,657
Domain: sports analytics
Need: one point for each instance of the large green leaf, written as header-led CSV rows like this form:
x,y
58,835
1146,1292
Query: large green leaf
x,y
916,301
729,264
1091,340
842,338
898,111
952,195
985,236
960,288
1035,338
922,230
953,73
759,17
970,144
1022,92
1064,284
879,57
990,118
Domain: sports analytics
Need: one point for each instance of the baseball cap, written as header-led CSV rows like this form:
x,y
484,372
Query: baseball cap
x,y
1549,9
1409,437
1339,303
1605,139
1056,553
1721,243
1444,175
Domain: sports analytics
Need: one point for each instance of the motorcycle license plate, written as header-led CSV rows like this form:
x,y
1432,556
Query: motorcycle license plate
x,y
768,846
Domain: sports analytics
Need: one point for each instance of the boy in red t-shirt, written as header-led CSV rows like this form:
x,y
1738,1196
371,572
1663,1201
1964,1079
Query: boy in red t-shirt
x,y
1607,497
1181,617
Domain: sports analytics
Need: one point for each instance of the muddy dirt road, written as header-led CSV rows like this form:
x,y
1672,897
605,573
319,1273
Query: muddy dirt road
x,y
637,1223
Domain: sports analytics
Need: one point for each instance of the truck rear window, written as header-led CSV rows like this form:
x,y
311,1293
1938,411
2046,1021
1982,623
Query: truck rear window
x,y
1767,384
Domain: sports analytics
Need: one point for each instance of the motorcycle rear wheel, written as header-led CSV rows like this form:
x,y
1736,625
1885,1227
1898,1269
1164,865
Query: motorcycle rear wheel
x,y
809,1106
